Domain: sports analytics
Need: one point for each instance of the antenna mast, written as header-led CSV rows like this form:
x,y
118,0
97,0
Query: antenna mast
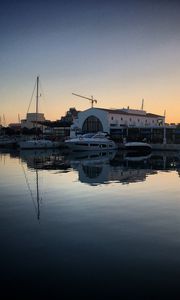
x,y
92,100
142,105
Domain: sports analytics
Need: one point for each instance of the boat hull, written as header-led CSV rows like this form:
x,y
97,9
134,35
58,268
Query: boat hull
x,y
38,144
91,146
137,146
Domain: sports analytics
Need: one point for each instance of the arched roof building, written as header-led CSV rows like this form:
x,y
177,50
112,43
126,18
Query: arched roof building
x,y
115,120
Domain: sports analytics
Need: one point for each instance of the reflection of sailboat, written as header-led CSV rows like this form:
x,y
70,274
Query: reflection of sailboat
x,y
95,167
43,158
37,194
37,143
37,202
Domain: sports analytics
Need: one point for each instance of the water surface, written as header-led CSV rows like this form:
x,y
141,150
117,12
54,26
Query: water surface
x,y
99,226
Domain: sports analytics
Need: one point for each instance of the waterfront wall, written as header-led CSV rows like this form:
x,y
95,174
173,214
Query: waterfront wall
x,y
171,147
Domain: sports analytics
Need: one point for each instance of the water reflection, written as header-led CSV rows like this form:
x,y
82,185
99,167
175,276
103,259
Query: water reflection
x,y
96,168
119,233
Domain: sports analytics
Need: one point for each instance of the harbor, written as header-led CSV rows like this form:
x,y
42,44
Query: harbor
x,y
89,150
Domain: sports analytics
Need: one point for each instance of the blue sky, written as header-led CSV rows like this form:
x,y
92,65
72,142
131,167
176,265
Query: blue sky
x,y
117,51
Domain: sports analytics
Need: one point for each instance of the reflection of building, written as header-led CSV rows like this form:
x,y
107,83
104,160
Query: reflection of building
x,y
105,173
95,168
114,120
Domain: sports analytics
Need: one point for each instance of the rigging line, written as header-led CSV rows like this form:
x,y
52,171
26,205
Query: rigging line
x,y
28,185
31,98
43,95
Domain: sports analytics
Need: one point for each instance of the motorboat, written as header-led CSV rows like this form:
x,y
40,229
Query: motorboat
x,y
137,146
91,141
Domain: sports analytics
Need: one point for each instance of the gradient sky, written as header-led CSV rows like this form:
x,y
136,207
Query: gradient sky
x,y
117,51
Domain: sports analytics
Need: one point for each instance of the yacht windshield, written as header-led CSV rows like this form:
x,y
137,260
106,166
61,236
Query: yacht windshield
x,y
88,135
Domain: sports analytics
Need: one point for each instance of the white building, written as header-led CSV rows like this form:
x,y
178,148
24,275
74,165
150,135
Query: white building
x,y
108,120
31,119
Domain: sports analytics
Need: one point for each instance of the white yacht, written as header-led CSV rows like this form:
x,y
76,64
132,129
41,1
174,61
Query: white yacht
x,y
91,141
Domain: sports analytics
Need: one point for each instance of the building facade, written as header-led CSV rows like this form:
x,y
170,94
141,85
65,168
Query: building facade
x,y
115,121
31,119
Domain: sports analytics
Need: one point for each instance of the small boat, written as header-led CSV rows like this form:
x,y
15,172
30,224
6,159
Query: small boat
x,y
91,141
7,142
38,144
137,146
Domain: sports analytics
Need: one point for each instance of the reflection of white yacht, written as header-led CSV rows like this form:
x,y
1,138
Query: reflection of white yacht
x,y
92,166
91,141
99,170
92,157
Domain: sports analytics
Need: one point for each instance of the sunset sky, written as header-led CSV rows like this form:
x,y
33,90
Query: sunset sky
x,y
117,51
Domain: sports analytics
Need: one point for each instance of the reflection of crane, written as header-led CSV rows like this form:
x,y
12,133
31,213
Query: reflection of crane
x,y
92,100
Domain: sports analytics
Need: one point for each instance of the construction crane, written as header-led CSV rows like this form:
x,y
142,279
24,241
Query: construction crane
x,y
92,100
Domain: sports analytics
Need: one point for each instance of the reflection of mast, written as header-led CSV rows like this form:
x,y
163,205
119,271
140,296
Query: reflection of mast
x,y
37,194
36,206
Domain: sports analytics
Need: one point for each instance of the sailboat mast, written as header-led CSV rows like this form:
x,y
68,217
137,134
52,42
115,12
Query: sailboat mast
x,y
37,95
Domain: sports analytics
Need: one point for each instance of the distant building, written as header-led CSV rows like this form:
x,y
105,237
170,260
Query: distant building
x,y
31,119
70,115
15,126
114,121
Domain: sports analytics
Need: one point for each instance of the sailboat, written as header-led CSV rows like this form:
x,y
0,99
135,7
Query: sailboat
x,y
38,143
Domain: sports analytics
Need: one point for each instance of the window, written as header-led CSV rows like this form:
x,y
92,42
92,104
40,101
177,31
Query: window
x,y
92,124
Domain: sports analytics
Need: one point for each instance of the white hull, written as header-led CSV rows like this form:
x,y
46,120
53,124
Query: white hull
x,y
88,146
91,142
38,144
137,146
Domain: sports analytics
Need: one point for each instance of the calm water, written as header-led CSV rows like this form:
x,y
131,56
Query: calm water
x,y
101,226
